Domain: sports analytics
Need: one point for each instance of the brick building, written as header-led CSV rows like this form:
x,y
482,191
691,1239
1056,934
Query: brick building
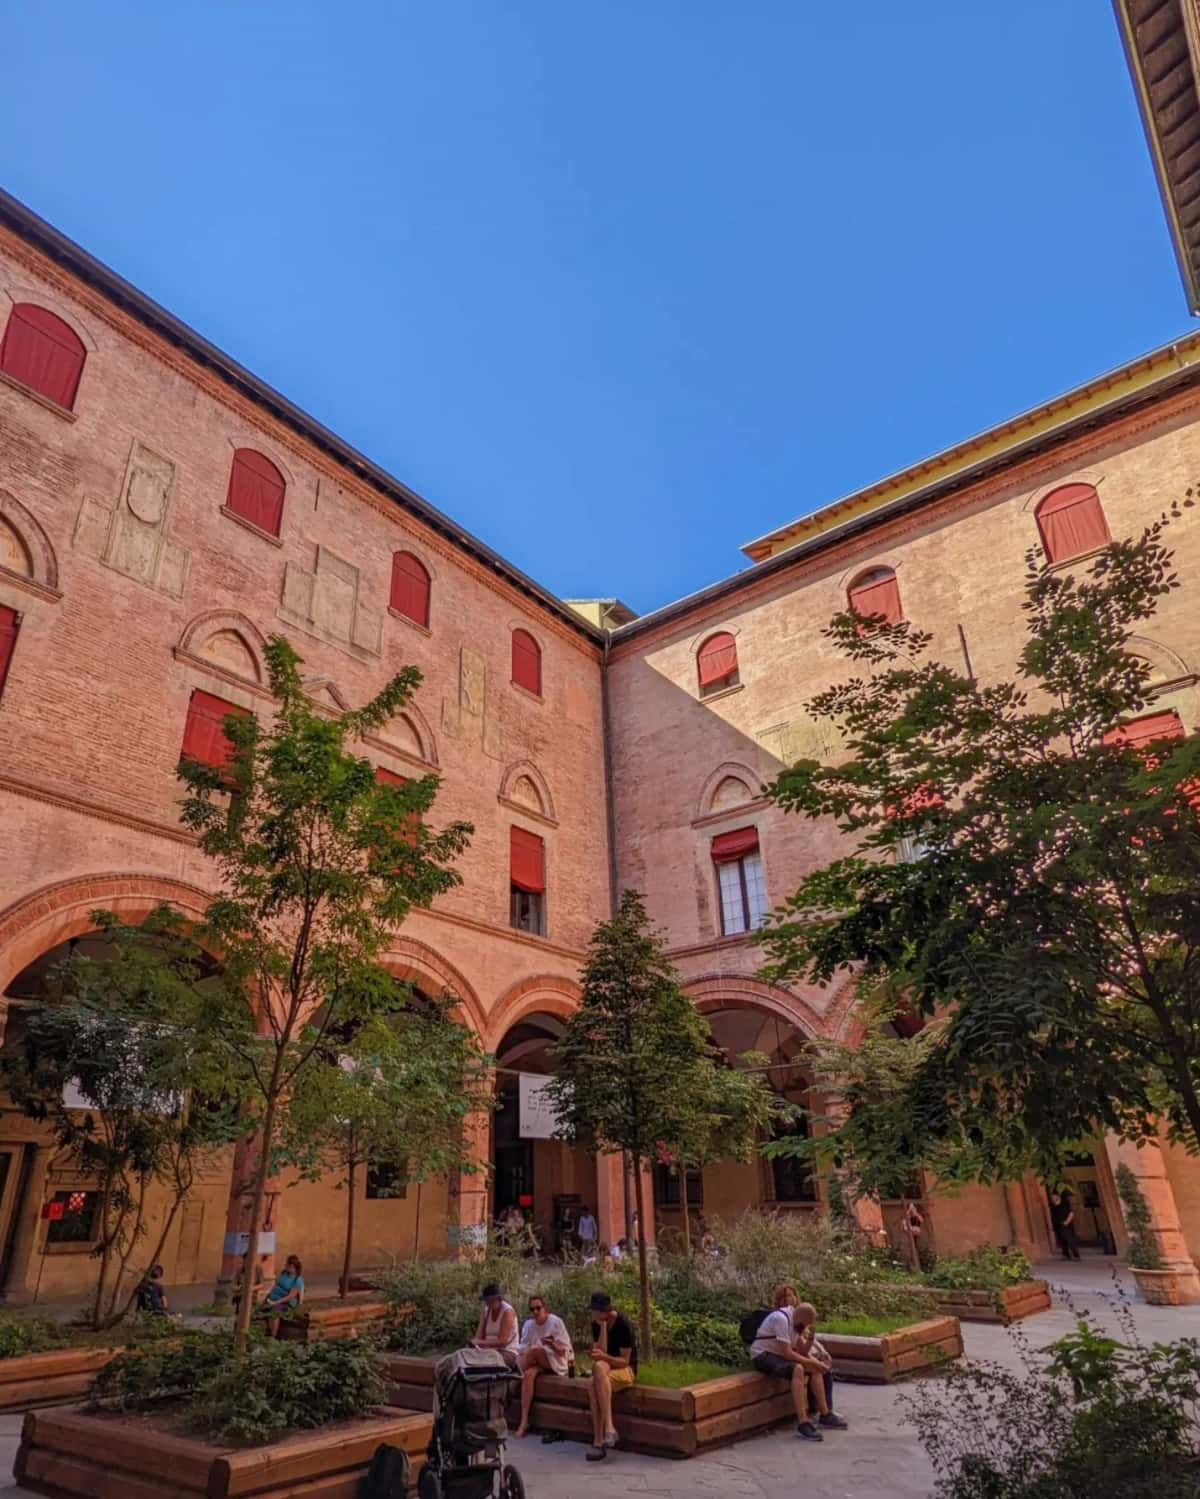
x,y
162,512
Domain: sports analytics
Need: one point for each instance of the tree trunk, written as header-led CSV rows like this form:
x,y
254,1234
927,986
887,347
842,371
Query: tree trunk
x,y
417,1228
687,1217
106,1191
241,1334
117,1317
351,1189
643,1267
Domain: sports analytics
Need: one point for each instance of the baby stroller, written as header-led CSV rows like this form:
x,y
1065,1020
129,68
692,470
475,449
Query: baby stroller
x,y
465,1459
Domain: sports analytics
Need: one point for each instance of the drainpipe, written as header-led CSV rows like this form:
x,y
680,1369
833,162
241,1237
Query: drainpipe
x,y
611,824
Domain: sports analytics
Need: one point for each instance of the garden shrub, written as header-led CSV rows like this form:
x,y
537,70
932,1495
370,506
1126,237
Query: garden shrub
x,y
838,1300
988,1268
19,1335
762,1249
250,1397
1104,1419
708,1339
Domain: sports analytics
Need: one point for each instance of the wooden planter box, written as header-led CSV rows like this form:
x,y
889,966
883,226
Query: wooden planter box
x,y
680,1423
50,1378
72,1452
333,1319
1007,1305
908,1350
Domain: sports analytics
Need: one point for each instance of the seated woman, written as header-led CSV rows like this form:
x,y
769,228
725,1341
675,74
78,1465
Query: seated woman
x,y
545,1349
497,1326
284,1296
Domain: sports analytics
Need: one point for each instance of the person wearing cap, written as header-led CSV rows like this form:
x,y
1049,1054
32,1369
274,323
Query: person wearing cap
x,y
614,1367
498,1326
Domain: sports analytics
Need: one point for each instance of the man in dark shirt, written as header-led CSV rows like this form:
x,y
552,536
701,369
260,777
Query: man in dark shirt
x,y
614,1367
1062,1220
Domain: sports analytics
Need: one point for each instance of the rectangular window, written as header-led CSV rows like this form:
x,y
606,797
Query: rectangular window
x,y
388,1179
72,1217
204,736
527,882
10,622
792,1177
666,1187
740,881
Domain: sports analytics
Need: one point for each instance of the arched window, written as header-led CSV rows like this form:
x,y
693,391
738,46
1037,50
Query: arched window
x,y
1071,521
718,663
256,490
526,662
876,593
410,588
41,351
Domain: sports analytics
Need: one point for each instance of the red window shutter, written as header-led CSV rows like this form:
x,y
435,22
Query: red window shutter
x,y
877,592
1071,521
726,847
909,803
390,778
204,738
526,662
410,588
42,352
527,863
717,659
9,625
256,490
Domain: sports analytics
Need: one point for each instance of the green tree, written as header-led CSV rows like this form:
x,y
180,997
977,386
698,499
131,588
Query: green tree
x,y
120,1069
393,1095
634,1061
728,1108
1046,893
318,865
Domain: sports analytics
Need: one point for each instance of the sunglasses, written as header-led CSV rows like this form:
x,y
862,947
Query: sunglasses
x,y
537,1306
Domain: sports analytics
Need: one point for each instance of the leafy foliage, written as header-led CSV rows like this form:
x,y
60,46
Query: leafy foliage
x,y
318,864
1103,1419
132,1038
636,1067
20,1335
987,1268
1053,918
1144,1253
250,1396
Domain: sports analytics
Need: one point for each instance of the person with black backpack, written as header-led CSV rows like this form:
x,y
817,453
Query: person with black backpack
x,y
774,1350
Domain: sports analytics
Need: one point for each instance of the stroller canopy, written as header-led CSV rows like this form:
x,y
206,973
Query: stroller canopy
x,y
473,1364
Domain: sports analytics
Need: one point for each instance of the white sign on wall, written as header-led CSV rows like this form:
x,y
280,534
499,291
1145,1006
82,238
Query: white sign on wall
x,y
539,1117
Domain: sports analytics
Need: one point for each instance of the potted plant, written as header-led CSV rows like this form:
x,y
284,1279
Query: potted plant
x,y
1158,1284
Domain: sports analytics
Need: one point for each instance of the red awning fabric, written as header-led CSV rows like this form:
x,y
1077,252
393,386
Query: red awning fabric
x,y
736,845
717,658
256,490
42,352
527,864
1141,731
1072,521
410,588
875,593
204,738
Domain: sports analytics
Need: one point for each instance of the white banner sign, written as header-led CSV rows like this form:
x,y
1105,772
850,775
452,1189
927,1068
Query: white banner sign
x,y
539,1118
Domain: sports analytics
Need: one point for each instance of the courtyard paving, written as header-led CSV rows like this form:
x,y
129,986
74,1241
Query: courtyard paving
x,y
878,1458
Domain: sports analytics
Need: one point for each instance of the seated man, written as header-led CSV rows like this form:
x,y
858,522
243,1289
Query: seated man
x,y
774,1351
545,1348
151,1295
804,1315
614,1367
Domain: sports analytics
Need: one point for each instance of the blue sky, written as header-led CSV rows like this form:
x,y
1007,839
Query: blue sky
x,y
618,285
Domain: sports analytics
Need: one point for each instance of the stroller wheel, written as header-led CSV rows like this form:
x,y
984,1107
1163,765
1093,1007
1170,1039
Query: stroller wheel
x,y
513,1486
429,1485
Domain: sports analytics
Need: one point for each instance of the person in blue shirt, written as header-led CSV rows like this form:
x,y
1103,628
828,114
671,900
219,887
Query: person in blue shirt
x,y
285,1295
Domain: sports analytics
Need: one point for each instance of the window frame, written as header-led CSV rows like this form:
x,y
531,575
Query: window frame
x,y
531,651
395,1171
10,632
77,347
238,465
668,1184
1091,497
743,887
73,1246
732,678
880,573
426,580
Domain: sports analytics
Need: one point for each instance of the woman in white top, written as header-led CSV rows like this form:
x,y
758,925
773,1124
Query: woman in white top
x,y
545,1349
497,1326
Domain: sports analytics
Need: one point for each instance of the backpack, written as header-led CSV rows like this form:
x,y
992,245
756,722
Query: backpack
x,y
752,1321
387,1477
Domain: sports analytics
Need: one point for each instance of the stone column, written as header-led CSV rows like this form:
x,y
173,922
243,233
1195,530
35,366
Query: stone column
x,y
869,1217
610,1197
237,1219
21,1282
470,1191
1146,1163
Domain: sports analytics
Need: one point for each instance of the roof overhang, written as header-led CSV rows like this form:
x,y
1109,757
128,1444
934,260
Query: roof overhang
x,y
1162,45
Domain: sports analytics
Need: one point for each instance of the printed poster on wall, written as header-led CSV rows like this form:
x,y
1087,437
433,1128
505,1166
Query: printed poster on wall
x,y
539,1118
